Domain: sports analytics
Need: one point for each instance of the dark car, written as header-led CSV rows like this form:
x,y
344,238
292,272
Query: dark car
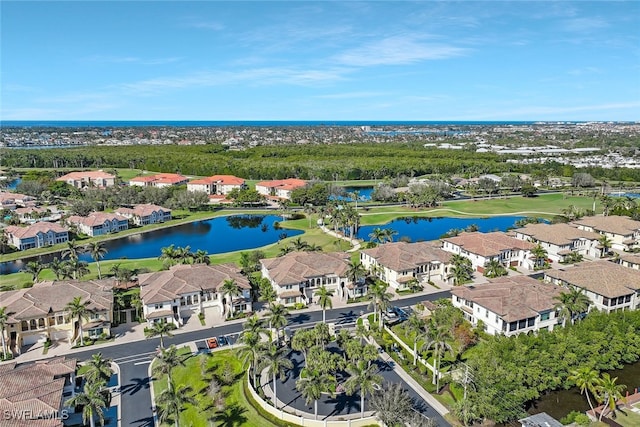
x,y
222,340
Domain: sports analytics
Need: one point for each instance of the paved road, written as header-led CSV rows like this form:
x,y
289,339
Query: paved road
x,y
133,358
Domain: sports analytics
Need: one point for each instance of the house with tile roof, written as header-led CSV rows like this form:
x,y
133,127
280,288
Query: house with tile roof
x,y
145,214
84,179
560,240
628,260
11,201
33,394
38,313
623,231
38,235
399,263
608,285
281,188
159,180
99,223
217,184
296,276
509,305
481,248
185,290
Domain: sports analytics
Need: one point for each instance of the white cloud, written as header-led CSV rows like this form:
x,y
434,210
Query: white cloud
x,y
397,50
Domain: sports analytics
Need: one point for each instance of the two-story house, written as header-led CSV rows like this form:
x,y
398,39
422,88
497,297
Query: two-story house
x,y
99,223
176,294
398,263
38,235
217,185
481,248
84,179
145,214
296,276
159,180
39,313
560,240
629,260
509,305
608,285
623,231
281,188
11,201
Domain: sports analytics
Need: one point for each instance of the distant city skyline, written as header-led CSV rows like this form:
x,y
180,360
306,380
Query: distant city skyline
x,y
320,60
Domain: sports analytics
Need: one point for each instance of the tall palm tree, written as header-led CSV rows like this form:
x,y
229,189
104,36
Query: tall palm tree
x,y
299,244
363,378
277,318
415,326
275,361
389,233
494,268
160,329
355,271
136,303
201,257
93,402
183,254
303,340
312,386
380,300
251,351
377,235
78,268
608,393
587,379
34,268
99,369
172,401
168,255
97,252
166,361
324,300
462,270
436,339
4,318
605,242
79,310
570,304
539,255
72,250
230,289
56,266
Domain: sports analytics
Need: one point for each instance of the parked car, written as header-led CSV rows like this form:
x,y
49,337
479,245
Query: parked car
x,y
212,343
222,340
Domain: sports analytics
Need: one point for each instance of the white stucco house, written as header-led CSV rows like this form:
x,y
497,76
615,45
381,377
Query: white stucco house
x,y
560,240
623,231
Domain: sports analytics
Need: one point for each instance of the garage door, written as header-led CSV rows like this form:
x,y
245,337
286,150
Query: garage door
x,y
32,339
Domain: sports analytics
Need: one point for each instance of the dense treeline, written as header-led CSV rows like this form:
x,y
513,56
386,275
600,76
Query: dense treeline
x,y
509,371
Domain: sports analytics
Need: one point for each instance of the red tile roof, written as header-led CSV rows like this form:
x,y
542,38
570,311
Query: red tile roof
x,y
33,230
221,179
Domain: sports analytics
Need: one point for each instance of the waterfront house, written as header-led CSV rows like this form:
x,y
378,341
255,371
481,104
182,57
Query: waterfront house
x,y
296,276
33,214
623,231
217,185
399,263
481,248
280,189
608,285
84,179
11,201
145,214
33,394
38,313
185,290
99,223
509,305
159,180
38,235
560,240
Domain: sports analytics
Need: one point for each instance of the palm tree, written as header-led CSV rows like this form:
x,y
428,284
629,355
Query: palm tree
x,y
80,310
77,268
275,361
183,254
539,254
393,405
97,252
303,340
72,251
4,318
34,268
569,304
172,401
56,266
136,303
608,393
587,380
277,318
380,300
160,329
168,255
324,299
462,270
363,378
377,235
166,361
230,289
201,257
99,369
93,402
299,244
389,233
494,268
312,386
415,325
605,242
436,339
251,350
355,271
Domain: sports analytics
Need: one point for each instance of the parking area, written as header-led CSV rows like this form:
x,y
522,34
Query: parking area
x,y
212,343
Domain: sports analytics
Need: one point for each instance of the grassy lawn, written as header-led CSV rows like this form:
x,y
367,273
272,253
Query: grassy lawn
x,y
628,418
236,411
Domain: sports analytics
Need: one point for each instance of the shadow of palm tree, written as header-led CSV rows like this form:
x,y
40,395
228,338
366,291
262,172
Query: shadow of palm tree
x,y
143,422
231,416
299,318
343,404
135,386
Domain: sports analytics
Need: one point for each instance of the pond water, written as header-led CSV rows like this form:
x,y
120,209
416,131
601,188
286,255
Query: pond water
x,y
364,194
419,229
217,235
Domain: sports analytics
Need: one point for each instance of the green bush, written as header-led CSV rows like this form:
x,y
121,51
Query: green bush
x,y
570,418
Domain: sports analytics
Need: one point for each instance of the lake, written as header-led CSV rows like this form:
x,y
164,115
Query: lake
x,y
364,194
419,229
217,235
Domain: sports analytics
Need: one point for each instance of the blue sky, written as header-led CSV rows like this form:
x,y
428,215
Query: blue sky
x,y
320,60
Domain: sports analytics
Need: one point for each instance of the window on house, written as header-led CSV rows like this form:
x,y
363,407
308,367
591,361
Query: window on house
x,y
531,321
158,306
627,298
513,326
24,325
544,316
522,324
605,301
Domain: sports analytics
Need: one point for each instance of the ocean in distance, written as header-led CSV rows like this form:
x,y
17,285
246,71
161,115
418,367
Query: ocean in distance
x,y
247,123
